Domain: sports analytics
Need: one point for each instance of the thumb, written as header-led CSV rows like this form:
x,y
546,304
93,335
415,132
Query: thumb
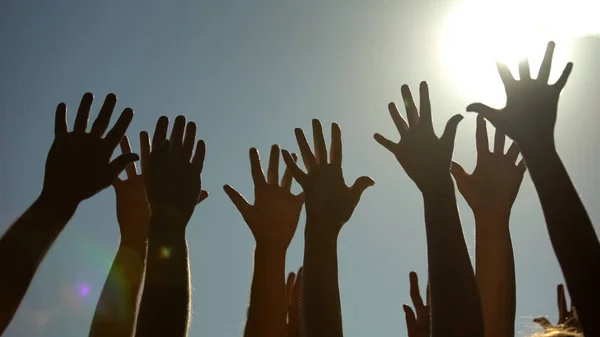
x,y
203,196
450,131
238,200
360,185
487,112
458,172
120,163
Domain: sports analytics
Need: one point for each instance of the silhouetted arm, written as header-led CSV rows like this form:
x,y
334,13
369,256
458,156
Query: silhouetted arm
x,y
453,284
329,205
173,188
495,272
491,191
573,237
273,220
78,166
529,118
21,252
455,303
165,305
321,302
117,308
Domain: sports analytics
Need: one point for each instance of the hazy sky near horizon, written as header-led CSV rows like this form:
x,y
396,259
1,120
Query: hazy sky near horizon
x,y
248,73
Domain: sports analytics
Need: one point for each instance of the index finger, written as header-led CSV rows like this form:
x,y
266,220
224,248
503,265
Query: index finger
x,y
415,294
131,170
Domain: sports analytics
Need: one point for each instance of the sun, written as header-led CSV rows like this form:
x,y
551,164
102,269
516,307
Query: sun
x,y
479,32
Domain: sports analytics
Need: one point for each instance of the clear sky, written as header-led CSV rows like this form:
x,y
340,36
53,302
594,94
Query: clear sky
x,y
248,73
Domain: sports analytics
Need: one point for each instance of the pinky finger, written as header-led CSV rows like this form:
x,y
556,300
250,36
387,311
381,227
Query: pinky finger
x,y
198,160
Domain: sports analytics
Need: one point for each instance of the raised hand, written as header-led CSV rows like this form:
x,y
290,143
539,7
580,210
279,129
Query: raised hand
x,y
567,318
329,205
328,199
117,308
172,176
531,104
494,184
173,182
418,325
274,216
294,293
425,157
78,164
133,211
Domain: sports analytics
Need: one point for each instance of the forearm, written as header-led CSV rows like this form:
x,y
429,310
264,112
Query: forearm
x,y
165,305
22,249
456,307
267,314
571,232
321,306
117,308
495,273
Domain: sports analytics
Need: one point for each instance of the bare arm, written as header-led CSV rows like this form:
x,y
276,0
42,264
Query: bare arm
x,y
273,220
491,191
173,187
529,118
329,205
426,159
117,309
78,166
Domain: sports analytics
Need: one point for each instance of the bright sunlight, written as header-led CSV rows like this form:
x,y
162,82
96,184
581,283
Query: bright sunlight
x,y
478,32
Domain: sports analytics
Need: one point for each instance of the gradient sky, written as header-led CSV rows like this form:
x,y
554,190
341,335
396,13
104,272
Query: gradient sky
x,y
248,73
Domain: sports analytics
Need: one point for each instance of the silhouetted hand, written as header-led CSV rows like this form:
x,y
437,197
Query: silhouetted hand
x,y
567,319
531,105
294,292
328,198
495,182
78,164
417,325
173,183
274,216
425,157
133,211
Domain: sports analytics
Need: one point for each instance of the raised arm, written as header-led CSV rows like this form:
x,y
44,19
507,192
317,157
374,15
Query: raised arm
x,y
78,166
329,205
273,220
529,119
173,188
117,308
426,159
293,288
491,191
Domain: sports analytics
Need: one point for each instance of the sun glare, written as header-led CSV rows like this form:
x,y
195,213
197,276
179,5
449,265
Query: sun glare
x,y
479,32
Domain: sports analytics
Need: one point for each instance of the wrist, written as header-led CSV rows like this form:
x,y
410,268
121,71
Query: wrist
x,y
137,243
442,185
56,204
489,223
270,253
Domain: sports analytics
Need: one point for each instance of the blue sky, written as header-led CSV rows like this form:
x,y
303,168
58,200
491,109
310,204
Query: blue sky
x,y
248,73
